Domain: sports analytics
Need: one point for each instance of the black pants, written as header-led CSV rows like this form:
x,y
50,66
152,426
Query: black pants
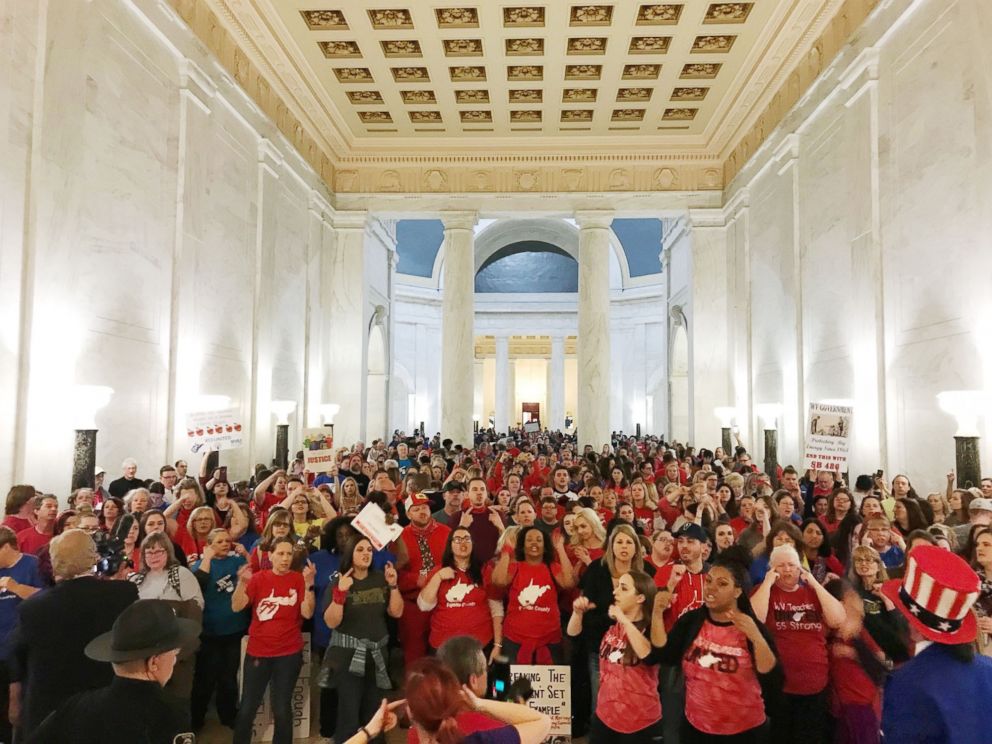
x,y
600,733
216,671
328,705
260,673
6,731
358,700
800,718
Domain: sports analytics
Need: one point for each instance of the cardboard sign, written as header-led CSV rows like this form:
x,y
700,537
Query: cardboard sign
x,y
263,727
221,429
318,450
552,696
828,437
371,522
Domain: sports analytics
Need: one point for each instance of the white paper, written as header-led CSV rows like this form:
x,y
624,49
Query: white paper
x,y
371,522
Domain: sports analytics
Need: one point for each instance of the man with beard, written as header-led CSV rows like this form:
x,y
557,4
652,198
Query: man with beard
x,y
684,581
420,548
482,520
355,471
561,485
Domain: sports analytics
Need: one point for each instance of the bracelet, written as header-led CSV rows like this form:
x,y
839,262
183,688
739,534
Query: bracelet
x,y
497,645
368,736
392,587
339,596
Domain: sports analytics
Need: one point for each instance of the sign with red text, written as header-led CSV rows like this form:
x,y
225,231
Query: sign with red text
x,y
220,429
318,450
828,437
371,522
552,696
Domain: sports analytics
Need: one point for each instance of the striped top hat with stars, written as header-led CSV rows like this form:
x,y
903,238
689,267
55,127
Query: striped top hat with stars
x,y
936,595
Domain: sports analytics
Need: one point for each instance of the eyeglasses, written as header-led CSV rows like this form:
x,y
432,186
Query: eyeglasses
x,y
156,551
461,539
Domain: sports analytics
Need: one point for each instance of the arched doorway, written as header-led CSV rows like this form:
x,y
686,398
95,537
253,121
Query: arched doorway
x,y
678,381
375,407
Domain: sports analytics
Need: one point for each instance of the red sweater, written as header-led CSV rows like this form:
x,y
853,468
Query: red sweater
x,y
409,575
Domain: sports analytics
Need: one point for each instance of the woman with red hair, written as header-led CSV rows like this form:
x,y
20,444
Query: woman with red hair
x,y
434,699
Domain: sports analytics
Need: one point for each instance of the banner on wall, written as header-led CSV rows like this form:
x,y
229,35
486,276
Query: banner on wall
x,y
220,429
263,727
551,685
318,450
828,437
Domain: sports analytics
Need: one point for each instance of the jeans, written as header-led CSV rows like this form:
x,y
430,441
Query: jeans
x,y
358,700
258,672
216,670
592,659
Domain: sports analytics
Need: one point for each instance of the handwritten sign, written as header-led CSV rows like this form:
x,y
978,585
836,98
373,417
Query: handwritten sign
x,y
318,450
371,522
552,696
828,437
220,429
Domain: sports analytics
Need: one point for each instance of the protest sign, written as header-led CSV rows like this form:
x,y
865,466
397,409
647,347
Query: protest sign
x,y
263,727
828,437
552,696
371,522
219,429
318,450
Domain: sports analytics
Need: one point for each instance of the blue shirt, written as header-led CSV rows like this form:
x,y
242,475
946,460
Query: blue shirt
x,y
218,617
935,699
894,557
25,571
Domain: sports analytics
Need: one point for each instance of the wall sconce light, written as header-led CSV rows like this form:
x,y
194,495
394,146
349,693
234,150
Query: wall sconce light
x,y
966,406
86,402
726,414
282,409
327,413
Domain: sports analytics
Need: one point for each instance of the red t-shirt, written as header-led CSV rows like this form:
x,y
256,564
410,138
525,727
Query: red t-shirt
x,y
192,548
669,512
462,609
795,620
16,523
31,541
849,684
739,524
275,616
644,518
532,610
262,509
722,692
687,595
628,694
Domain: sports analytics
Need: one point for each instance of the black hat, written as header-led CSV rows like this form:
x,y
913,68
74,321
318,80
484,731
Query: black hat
x,y
453,485
146,628
692,531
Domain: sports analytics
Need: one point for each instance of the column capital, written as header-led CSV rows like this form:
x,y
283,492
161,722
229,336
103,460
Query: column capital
x,y
459,220
196,84
594,218
707,218
350,220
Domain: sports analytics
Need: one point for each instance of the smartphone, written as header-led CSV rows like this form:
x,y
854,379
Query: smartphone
x,y
223,473
878,473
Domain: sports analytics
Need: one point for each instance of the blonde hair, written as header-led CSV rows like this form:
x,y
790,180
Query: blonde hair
x,y
509,532
866,551
637,562
590,517
73,553
196,514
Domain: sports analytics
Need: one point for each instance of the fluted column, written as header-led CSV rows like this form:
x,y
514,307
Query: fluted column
x,y
502,397
458,326
593,419
556,385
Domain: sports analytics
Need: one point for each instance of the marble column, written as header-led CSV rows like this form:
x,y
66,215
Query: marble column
x,y
593,419
458,326
347,332
556,385
502,397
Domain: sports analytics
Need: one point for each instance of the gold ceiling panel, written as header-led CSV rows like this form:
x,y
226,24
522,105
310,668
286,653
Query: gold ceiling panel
x,y
523,346
432,72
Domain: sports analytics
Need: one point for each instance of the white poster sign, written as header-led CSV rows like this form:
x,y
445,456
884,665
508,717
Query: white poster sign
x,y
318,450
371,522
220,429
828,437
552,696
262,728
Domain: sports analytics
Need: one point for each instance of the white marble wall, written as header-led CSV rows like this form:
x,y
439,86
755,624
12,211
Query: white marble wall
x,y
858,256
171,247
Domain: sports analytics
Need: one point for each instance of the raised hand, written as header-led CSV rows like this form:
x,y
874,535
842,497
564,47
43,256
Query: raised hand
x,y
744,623
466,520
446,574
662,601
771,577
390,572
245,573
208,553
346,580
309,572
582,604
582,553
678,571
614,612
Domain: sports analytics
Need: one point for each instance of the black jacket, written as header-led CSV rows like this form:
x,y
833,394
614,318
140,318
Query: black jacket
x,y
127,711
47,644
597,584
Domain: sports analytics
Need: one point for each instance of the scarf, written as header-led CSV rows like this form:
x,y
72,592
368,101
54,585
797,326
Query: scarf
x,y
423,534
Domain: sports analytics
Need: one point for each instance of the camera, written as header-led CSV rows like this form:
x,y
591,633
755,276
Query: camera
x,y
501,688
110,547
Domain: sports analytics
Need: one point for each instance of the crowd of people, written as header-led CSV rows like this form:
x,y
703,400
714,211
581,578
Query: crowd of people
x,y
694,598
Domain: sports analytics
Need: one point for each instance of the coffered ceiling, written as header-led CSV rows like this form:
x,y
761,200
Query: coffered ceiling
x,y
374,80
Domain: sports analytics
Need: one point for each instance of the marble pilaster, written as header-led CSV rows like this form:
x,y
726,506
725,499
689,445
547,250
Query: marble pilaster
x,y
556,385
345,299
593,418
458,326
503,389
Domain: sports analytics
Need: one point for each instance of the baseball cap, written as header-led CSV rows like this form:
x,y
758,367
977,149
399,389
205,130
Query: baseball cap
x,y
416,499
692,531
453,486
981,504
